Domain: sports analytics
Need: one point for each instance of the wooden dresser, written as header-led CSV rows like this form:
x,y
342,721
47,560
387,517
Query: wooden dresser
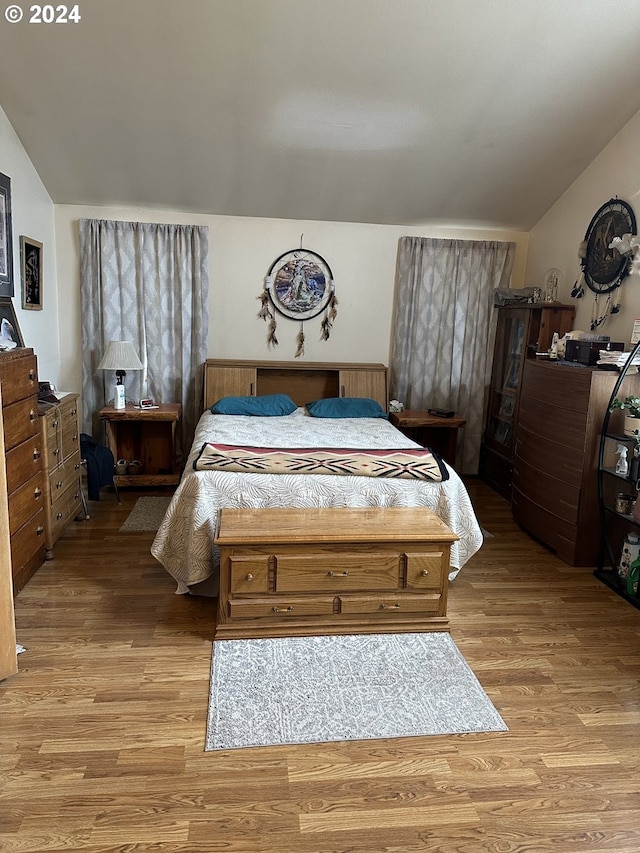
x,y
555,479
286,572
23,460
60,431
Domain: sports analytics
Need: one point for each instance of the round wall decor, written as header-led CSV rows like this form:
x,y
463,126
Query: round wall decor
x,y
605,268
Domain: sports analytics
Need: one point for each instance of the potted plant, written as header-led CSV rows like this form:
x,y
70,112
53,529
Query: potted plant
x,y
631,408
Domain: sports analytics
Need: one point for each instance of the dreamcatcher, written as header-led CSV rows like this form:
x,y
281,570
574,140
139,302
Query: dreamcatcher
x,y
299,285
604,263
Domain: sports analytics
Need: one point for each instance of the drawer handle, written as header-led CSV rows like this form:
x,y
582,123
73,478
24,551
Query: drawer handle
x,y
75,437
392,606
32,415
76,496
74,412
55,424
39,530
32,375
56,452
282,610
249,576
58,516
59,484
425,573
338,574
76,467
36,493
36,454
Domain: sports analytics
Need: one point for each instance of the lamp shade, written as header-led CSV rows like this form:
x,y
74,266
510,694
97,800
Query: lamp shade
x,y
120,356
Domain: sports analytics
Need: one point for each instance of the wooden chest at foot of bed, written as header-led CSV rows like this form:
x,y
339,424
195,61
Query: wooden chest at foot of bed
x,y
287,572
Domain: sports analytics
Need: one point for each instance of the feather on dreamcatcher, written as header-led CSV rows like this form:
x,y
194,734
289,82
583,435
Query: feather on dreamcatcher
x,y
299,286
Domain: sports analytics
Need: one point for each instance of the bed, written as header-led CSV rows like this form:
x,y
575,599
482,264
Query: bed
x,y
184,541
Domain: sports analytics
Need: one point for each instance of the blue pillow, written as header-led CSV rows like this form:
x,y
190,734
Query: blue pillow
x,y
346,407
265,406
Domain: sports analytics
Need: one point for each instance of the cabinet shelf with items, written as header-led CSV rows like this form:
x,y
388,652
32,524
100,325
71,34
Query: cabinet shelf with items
x,y
618,520
521,331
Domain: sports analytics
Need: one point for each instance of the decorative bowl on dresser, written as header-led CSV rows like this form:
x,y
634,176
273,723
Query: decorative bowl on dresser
x,y
23,462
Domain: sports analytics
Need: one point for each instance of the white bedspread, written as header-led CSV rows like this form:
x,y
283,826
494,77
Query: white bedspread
x,y
184,542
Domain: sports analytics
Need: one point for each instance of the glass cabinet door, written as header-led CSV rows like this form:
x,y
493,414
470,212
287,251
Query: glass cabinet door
x,y
506,379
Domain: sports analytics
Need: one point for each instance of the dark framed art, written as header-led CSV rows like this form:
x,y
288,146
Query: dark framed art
x,y
31,264
6,238
603,266
10,334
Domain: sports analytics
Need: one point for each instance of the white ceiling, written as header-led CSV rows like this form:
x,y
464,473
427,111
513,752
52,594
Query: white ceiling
x,y
386,111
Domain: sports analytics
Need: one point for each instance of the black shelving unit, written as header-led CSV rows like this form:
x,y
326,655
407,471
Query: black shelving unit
x,y
616,524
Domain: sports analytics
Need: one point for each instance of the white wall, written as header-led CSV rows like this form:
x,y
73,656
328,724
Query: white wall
x,y
362,259
555,239
33,216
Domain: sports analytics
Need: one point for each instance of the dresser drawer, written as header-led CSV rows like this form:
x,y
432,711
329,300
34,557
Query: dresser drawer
x,y
556,496
24,502
554,385
549,423
23,462
549,457
67,506
20,422
61,432
19,379
327,572
549,528
282,607
27,542
391,604
62,477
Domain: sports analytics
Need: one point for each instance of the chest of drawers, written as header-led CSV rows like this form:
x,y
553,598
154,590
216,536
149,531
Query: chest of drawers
x,y
23,462
60,432
286,572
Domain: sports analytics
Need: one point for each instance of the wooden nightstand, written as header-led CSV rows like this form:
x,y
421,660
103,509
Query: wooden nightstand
x,y
439,434
145,435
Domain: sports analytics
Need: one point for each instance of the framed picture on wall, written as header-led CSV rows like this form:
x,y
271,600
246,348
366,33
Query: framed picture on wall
x,y
31,263
6,238
10,334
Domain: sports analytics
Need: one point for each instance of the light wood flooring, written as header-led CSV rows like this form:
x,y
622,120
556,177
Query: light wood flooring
x,y
102,729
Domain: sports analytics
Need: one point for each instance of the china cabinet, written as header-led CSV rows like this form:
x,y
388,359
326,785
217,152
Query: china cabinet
x,y
521,331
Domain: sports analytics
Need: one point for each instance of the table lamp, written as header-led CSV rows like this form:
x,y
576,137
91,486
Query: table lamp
x,y
120,356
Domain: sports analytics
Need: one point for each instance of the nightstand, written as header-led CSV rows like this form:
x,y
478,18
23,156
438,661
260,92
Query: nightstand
x,y
439,434
147,436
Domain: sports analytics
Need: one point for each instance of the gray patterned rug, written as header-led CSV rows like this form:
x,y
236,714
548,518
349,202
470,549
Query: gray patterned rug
x,y
319,689
147,514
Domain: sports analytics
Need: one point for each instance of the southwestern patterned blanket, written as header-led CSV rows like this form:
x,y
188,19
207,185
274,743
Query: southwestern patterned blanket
x,y
406,464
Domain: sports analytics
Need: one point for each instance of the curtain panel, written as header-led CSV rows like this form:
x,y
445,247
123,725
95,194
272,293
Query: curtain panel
x,y
444,329
148,284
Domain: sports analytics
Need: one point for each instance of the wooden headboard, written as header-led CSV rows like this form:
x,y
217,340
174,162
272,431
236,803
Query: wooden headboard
x,y
302,381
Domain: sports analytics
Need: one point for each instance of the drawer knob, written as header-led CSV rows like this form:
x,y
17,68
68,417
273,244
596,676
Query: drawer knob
x,y
338,574
75,437
73,412
37,493
249,576
59,484
32,375
395,606
36,454
54,424
39,530
425,573
32,415
56,452
282,610
58,516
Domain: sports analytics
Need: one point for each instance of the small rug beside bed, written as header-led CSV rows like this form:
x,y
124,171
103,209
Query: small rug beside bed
x,y
147,514
319,689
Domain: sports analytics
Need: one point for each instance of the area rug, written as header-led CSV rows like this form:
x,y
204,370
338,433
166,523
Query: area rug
x,y
319,689
147,514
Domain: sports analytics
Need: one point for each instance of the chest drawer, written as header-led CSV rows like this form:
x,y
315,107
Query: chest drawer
x,y
24,502
23,462
563,427
249,574
425,570
28,541
19,379
567,388
326,572
20,422
61,432
66,507
280,607
550,458
62,477
557,497
390,604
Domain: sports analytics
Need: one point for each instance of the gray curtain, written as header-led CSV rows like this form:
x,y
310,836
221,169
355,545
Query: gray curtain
x,y
444,329
148,284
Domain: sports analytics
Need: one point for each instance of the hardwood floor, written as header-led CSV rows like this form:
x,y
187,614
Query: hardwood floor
x,y
103,727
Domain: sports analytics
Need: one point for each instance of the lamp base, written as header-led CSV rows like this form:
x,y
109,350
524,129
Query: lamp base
x,y
119,399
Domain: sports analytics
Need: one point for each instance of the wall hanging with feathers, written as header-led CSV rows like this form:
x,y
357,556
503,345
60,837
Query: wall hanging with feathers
x,y
604,263
299,286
